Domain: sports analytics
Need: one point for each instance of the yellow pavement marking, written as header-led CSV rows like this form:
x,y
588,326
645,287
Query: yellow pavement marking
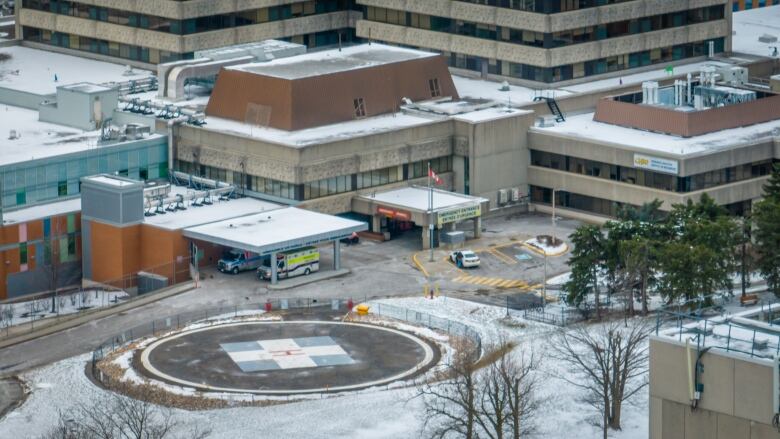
x,y
493,282
504,258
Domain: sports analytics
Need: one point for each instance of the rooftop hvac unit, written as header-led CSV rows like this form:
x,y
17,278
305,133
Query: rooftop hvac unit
x,y
515,194
503,196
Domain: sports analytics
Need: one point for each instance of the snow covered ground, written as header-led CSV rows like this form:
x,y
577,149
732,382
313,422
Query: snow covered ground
x,y
371,414
19,313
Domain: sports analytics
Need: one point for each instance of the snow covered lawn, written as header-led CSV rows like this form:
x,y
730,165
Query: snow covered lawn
x,y
370,414
19,313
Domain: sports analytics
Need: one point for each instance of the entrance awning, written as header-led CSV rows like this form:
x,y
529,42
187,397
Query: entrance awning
x,y
276,230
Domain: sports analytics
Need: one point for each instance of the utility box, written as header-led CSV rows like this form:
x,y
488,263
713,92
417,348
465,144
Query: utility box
x,y
84,106
774,83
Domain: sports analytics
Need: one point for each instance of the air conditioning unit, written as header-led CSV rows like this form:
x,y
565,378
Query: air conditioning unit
x,y
515,194
503,196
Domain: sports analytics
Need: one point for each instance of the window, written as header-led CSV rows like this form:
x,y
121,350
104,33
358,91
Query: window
x,y
23,253
62,188
360,108
434,86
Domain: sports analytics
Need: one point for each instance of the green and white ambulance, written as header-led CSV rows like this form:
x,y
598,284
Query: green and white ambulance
x,y
291,263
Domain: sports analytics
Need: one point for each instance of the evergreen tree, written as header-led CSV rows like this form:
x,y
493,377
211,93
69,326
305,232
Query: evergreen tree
x,y
766,220
586,260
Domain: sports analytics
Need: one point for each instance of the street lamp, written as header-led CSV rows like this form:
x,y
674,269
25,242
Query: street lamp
x,y
554,240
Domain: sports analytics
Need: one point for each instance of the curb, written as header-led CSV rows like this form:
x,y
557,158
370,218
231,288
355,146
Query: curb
x,y
419,265
97,314
542,252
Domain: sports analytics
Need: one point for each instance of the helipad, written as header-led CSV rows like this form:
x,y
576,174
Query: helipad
x,y
287,357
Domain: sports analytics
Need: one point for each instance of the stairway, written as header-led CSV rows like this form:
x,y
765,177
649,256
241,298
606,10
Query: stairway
x,y
553,105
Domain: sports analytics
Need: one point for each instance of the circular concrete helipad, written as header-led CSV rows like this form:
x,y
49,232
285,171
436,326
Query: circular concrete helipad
x,y
287,357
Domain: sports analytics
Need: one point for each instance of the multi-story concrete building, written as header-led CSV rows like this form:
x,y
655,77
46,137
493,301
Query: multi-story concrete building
x,y
647,145
552,41
152,32
716,378
540,41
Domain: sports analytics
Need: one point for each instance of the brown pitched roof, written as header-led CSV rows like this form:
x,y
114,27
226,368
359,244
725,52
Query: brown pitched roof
x,y
328,87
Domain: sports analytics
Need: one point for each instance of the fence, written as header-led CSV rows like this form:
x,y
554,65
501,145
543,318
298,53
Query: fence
x,y
23,316
755,333
303,305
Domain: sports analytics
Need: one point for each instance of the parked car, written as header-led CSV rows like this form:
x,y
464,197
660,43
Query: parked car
x,y
351,239
237,260
465,259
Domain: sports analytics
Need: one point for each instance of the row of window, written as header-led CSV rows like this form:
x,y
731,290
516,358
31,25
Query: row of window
x,y
320,188
40,180
586,68
64,247
547,40
154,56
651,179
102,47
545,6
601,206
190,25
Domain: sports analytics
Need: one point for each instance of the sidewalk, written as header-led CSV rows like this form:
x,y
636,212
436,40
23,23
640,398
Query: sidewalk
x,y
22,333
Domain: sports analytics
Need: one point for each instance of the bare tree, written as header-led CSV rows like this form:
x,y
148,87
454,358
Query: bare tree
x,y
609,362
507,399
451,405
492,397
117,417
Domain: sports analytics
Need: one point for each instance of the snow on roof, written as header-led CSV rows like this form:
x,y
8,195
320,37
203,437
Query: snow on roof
x,y
86,87
276,230
197,215
742,333
638,78
107,179
39,211
321,134
332,61
416,197
490,114
750,24
484,89
37,140
583,126
33,70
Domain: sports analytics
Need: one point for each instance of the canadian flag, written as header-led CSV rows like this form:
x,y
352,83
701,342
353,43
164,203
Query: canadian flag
x,y
436,178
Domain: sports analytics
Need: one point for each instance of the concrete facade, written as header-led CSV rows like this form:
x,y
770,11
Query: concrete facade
x,y
162,44
501,52
737,399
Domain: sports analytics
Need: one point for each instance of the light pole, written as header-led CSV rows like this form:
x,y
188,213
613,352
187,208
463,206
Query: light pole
x,y
544,282
554,239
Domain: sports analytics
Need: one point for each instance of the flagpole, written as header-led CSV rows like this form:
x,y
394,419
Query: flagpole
x,y
430,212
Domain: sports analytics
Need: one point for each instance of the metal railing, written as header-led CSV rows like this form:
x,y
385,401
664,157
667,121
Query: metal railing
x,y
218,315
740,336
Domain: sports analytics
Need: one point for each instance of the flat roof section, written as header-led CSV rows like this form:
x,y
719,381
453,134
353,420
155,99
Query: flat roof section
x,y
333,61
277,230
39,211
753,23
36,140
33,70
583,127
416,198
218,211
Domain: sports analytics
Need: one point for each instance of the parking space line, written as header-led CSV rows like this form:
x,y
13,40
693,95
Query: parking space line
x,y
504,258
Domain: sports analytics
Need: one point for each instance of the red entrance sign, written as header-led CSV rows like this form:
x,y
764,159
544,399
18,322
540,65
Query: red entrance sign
x,y
392,213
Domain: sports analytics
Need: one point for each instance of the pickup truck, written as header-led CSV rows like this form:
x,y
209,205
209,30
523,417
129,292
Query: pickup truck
x,y
236,261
